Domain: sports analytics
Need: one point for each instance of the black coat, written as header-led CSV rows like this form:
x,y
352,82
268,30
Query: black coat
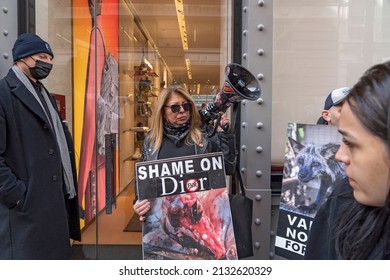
x,y
220,142
321,242
41,225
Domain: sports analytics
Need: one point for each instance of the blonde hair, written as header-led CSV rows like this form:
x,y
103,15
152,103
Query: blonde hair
x,y
157,125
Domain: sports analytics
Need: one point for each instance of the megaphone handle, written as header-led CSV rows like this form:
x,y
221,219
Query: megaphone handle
x,y
225,127
215,125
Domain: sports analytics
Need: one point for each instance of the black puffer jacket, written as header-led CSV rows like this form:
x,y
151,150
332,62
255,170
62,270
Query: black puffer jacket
x,y
220,142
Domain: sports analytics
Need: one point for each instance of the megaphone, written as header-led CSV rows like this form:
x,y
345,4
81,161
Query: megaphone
x,y
239,84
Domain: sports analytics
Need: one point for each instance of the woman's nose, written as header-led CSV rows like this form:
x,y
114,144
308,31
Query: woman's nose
x,y
342,154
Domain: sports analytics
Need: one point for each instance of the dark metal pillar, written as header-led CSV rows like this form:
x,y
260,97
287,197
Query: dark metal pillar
x,y
255,135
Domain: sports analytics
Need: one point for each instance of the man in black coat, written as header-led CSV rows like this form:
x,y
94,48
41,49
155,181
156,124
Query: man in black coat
x,y
38,193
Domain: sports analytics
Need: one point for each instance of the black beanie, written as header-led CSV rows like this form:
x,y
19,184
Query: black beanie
x,y
28,44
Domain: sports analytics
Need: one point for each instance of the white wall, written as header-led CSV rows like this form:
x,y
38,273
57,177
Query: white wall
x,y
320,45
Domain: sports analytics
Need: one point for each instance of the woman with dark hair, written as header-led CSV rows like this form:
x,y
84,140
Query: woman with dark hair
x,y
360,229
176,131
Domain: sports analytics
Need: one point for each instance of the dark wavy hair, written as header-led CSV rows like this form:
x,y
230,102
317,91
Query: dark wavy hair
x,y
361,227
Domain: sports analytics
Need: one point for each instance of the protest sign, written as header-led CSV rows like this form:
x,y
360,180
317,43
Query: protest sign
x,y
190,215
309,176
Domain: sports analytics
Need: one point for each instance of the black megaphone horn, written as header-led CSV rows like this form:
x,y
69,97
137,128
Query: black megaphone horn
x,y
239,84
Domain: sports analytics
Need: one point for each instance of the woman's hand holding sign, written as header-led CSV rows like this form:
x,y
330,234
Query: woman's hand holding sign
x,y
141,207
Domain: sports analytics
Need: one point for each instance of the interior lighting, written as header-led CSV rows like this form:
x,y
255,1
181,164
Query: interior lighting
x,y
182,23
188,67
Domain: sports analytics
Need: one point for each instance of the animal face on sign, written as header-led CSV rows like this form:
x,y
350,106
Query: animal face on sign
x,y
186,222
318,170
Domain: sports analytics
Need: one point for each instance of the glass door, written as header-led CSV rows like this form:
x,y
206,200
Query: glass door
x,y
124,53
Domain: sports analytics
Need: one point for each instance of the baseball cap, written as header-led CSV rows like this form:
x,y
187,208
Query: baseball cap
x,y
336,97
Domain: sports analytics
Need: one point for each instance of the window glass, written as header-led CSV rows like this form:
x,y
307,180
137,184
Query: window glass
x,y
320,46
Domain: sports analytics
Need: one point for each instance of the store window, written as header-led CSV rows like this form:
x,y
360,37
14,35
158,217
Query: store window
x,y
149,44
112,58
320,46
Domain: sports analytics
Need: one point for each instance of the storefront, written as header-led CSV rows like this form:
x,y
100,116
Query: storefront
x,y
113,57
123,54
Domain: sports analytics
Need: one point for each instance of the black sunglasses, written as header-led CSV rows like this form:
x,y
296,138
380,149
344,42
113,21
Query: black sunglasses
x,y
175,108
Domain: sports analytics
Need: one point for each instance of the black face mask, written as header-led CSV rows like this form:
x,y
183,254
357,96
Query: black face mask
x,y
41,70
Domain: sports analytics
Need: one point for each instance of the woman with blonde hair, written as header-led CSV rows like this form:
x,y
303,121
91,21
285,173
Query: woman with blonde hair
x,y
176,132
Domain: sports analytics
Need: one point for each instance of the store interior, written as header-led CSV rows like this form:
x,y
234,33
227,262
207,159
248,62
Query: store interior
x,y
160,43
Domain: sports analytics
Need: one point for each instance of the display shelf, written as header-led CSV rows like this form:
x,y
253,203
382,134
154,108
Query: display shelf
x,y
130,158
137,129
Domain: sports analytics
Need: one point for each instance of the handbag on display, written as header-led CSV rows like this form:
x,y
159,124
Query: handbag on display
x,y
241,209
